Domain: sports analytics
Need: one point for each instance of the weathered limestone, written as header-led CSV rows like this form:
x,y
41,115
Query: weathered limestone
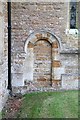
x,y
70,81
42,61
43,53
3,61
44,48
32,22
45,67
28,65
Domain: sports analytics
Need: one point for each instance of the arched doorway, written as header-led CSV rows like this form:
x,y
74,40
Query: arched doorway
x,y
42,62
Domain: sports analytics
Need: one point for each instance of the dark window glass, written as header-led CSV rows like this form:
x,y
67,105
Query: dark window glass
x,y
72,15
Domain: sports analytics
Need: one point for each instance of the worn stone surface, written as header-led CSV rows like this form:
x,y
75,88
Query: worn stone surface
x,y
3,58
28,20
41,52
42,61
70,81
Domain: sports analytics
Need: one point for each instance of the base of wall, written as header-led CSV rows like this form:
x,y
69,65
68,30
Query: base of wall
x,y
30,87
70,81
3,99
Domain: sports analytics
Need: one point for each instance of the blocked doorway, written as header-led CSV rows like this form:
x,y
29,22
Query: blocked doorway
x,y
42,62
42,65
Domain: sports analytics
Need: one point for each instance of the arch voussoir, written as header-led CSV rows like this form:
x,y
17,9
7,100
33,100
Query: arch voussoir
x,y
56,66
35,36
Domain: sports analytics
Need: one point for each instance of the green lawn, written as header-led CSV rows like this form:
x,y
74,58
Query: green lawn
x,y
50,105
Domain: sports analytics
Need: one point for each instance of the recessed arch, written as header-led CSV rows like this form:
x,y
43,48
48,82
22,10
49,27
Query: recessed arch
x,y
56,47
42,62
42,34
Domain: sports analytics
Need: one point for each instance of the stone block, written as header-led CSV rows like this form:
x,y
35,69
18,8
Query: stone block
x,y
41,79
57,72
28,66
56,63
17,79
55,44
30,45
70,82
56,83
39,36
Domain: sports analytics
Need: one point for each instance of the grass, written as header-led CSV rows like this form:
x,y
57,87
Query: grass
x,y
50,105
0,115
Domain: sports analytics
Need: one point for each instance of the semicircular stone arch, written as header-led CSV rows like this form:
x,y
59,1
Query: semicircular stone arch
x,y
42,34
56,67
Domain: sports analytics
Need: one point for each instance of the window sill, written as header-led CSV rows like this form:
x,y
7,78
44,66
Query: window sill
x,y
72,32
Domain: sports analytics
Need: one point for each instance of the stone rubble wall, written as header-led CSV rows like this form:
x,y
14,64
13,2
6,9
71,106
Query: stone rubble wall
x,y
3,59
70,79
27,18
54,17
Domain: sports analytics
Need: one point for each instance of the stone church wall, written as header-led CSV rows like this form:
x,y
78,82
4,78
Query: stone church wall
x,y
54,18
34,24
3,58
